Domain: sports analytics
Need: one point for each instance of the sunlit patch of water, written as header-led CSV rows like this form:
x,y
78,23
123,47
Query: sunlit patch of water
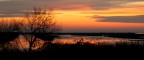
x,y
22,44
89,39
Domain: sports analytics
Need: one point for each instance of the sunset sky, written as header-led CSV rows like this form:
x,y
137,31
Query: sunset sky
x,y
85,15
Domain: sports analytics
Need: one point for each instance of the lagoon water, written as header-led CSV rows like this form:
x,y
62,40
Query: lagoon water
x,y
73,39
22,44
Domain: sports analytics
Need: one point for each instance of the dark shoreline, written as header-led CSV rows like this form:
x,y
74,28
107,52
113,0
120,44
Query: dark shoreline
x,y
115,35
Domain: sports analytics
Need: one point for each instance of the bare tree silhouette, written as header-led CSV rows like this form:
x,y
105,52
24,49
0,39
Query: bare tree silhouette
x,y
38,21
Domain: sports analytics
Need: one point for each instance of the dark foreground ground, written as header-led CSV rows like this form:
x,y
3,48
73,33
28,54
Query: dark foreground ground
x,y
80,51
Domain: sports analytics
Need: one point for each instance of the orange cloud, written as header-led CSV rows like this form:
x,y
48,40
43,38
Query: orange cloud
x,y
116,12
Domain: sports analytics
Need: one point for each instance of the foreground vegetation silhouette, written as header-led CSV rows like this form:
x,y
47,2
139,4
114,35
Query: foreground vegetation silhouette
x,y
120,51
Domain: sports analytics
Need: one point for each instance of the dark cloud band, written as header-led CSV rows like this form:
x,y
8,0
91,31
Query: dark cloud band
x,y
19,5
124,19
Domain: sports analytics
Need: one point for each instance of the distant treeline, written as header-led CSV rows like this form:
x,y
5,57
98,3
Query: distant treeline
x,y
93,33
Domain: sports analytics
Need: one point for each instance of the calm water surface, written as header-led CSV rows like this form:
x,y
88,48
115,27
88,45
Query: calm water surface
x,y
21,43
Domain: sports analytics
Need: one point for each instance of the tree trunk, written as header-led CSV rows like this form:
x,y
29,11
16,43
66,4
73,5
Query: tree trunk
x,y
30,47
31,44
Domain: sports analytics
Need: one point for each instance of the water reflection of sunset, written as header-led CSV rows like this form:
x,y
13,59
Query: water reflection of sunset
x,y
22,44
90,40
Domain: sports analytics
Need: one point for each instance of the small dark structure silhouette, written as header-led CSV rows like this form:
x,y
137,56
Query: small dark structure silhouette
x,y
47,37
